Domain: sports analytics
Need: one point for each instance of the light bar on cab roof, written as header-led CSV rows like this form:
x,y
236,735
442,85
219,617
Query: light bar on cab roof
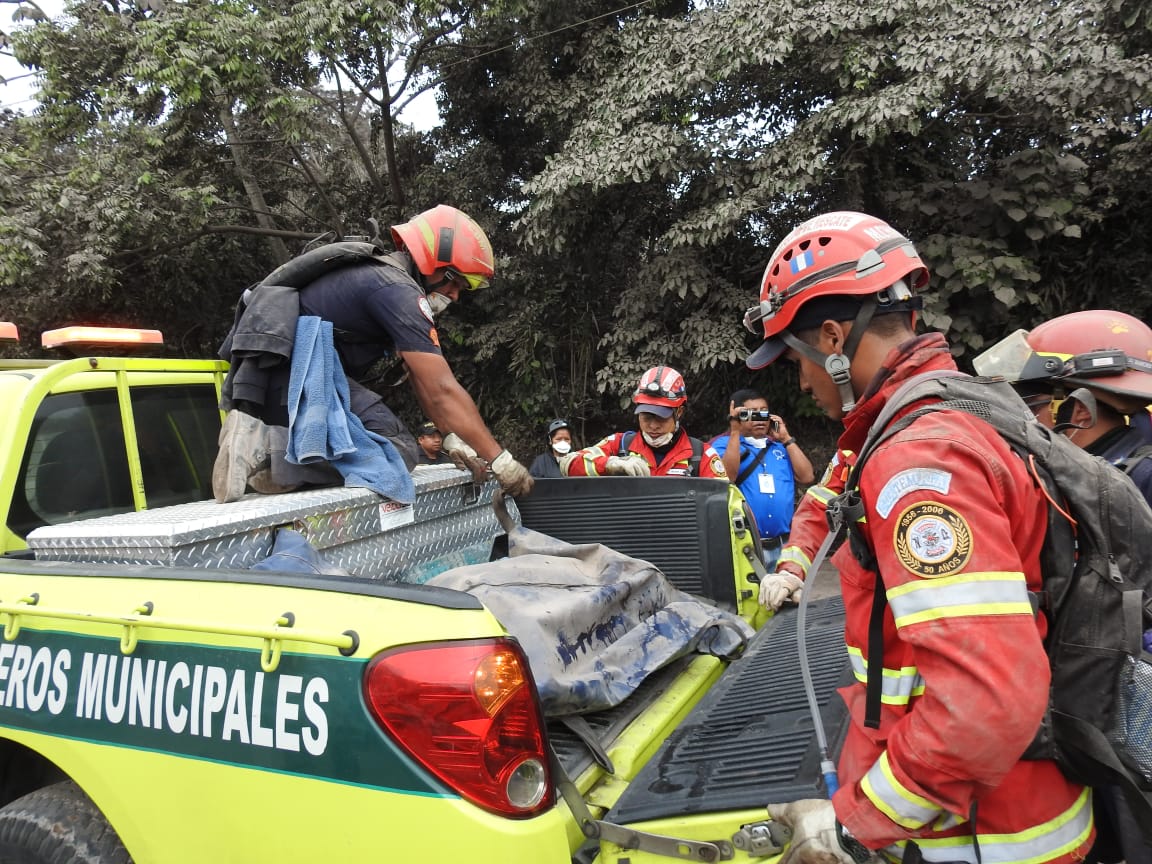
x,y
8,332
79,336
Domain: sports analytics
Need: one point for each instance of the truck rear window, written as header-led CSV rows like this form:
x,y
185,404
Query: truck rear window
x,y
75,464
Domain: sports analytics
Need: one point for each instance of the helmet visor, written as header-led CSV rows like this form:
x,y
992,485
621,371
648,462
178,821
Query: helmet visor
x,y
1012,358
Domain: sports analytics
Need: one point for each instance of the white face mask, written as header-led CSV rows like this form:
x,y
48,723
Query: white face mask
x,y
660,441
562,448
438,302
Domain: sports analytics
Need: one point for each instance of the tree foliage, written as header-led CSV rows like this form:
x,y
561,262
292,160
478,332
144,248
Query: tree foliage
x,y
634,164
192,146
999,137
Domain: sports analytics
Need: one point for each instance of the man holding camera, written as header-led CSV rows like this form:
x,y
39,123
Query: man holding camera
x,y
765,462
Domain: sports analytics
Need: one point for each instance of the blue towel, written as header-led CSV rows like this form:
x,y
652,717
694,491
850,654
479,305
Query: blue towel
x,y
322,427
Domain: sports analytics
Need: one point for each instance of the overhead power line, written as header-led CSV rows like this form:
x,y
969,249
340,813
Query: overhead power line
x,y
580,23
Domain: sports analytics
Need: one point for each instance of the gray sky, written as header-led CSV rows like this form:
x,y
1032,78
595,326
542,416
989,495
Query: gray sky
x,y
17,93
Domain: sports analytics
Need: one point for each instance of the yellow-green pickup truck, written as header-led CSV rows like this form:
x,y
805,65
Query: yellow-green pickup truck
x,y
163,701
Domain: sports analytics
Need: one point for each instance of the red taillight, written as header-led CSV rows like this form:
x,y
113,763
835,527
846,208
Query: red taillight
x,y
467,711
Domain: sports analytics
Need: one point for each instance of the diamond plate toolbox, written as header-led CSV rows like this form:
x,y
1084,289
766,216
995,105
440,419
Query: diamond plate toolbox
x,y
450,524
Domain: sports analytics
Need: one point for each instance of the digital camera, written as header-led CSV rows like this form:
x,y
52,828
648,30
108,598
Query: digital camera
x,y
746,414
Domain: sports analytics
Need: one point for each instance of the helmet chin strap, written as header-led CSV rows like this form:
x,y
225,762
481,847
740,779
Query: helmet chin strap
x,y
838,366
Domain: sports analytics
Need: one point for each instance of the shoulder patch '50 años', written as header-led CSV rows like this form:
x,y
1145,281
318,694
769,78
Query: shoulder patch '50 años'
x,y
932,540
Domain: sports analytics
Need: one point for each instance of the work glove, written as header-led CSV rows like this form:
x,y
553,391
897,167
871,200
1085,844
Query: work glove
x,y
816,836
629,466
513,477
776,588
464,457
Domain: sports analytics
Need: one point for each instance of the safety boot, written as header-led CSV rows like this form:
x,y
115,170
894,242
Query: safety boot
x,y
244,450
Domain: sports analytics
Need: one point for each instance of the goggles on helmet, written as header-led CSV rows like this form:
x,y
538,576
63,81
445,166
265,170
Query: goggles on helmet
x,y
653,388
473,281
1014,359
756,317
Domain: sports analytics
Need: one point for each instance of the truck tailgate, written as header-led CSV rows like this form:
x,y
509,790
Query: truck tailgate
x,y
750,741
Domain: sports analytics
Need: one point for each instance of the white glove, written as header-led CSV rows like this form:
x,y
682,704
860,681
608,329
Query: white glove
x,y
453,443
815,834
511,475
464,457
630,466
778,587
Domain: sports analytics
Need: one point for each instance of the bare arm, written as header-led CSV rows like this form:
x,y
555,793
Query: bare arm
x,y
447,404
801,464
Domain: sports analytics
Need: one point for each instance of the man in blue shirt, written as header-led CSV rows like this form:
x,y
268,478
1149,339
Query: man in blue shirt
x,y
765,461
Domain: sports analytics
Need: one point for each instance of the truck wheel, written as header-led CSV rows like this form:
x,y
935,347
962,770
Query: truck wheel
x,y
58,824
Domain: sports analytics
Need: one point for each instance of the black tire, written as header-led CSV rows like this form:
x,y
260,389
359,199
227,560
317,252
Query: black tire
x,y
58,824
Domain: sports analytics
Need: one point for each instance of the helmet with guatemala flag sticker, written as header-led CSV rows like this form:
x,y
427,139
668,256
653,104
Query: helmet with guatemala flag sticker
x,y
839,254
660,391
445,237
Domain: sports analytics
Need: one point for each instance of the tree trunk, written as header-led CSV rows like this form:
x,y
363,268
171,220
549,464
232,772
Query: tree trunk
x,y
251,184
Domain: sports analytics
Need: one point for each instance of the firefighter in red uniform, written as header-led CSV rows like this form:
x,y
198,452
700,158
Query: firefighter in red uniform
x,y
956,526
661,448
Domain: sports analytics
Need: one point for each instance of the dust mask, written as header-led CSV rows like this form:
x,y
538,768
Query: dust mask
x,y
562,448
659,441
438,302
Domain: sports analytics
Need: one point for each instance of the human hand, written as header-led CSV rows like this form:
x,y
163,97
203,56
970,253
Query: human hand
x,y
816,838
464,457
778,429
511,475
453,443
776,588
733,420
791,567
630,466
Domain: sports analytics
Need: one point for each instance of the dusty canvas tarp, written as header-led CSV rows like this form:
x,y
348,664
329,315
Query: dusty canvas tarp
x,y
593,622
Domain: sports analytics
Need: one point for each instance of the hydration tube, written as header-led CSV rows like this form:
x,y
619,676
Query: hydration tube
x,y
827,766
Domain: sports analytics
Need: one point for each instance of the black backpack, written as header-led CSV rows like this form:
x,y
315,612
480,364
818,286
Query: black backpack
x,y
1097,594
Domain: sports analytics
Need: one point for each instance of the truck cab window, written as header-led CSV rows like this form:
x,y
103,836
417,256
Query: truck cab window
x,y
176,432
75,466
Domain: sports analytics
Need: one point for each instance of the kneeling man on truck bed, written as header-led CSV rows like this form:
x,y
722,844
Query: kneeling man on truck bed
x,y
378,305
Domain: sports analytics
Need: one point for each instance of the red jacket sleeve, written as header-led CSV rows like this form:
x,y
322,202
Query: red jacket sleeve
x,y
589,462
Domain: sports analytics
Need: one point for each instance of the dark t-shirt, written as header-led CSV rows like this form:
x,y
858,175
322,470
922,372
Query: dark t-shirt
x,y
442,458
1117,446
545,465
375,310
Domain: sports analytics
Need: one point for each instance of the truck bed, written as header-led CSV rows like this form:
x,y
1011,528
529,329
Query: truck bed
x,y
751,739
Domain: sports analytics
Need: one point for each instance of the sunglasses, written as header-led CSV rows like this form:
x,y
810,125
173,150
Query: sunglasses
x,y
472,281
